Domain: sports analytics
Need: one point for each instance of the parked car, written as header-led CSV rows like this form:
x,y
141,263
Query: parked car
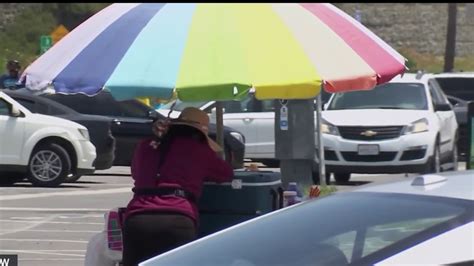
x,y
46,149
459,87
253,117
426,220
132,122
98,126
404,126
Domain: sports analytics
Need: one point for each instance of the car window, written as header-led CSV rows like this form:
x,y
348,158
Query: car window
x,y
328,231
439,91
268,106
436,93
4,107
387,96
460,87
30,105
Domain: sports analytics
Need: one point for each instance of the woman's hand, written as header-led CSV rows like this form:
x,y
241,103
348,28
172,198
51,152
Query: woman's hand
x,y
160,127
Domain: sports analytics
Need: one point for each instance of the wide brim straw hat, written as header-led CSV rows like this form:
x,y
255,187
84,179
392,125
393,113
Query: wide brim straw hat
x,y
199,120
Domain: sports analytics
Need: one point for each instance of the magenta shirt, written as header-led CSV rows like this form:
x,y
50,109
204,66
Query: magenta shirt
x,y
188,165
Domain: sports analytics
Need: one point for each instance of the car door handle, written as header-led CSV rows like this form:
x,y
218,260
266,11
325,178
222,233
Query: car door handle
x,y
248,120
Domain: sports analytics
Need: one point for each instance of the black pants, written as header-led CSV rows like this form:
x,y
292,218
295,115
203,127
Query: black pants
x,y
146,235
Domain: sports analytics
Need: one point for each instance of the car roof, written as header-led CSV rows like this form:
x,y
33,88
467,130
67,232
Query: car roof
x,y
38,98
455,75
454,184
413,77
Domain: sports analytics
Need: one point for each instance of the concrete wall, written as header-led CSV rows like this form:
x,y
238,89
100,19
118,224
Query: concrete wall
x,y
420,26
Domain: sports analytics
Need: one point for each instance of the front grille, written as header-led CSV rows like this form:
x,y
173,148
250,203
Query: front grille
x,y
384,156
381,133
413,155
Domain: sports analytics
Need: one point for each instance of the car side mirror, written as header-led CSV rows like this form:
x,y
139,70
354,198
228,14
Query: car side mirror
x,y
442,107
14,111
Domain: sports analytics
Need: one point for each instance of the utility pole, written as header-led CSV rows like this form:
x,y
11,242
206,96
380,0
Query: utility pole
x,y
450,51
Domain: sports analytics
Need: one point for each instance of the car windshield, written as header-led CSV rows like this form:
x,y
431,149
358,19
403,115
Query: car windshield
x,y
328,231
387,96
458,87
179,106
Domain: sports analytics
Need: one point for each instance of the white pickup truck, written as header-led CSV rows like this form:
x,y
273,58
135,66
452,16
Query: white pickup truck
x,y
44,149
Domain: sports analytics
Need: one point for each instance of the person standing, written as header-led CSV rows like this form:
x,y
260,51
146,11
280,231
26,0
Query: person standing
x,y
169,174
10,80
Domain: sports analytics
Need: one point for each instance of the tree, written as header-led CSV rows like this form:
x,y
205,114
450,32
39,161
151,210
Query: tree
x,y
450,51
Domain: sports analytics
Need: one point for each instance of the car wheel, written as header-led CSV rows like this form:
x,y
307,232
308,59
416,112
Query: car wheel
x,y
455,157
435,166
342,178
49,165
72,178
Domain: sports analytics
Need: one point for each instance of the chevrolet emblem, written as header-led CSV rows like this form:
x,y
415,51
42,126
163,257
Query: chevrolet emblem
x,y
368,133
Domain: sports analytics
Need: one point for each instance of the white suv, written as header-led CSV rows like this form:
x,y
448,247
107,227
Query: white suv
x,y
404,126
45,148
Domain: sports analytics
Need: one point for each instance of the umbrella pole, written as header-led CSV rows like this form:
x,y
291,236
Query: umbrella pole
x,y
220,127
322,167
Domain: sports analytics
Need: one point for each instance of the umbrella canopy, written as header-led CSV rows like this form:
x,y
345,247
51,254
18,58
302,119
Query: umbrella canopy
x,y
216,52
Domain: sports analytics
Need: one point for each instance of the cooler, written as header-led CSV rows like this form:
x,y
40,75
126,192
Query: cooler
x,y
250,194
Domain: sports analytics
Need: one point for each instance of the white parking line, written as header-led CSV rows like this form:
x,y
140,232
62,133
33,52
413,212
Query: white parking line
x,y
34,224
53,209
51,231
35,259
46,253
67,193
44,240
49,222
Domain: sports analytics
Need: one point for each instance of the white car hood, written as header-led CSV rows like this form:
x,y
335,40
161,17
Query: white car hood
x,y
373,117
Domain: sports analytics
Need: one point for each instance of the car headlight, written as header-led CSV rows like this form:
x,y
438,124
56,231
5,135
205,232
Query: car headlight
x,y
238,136
328,128
418,126
84,133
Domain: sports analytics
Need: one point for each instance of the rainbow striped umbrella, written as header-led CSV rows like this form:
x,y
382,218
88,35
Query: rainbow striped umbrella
x,y
216,52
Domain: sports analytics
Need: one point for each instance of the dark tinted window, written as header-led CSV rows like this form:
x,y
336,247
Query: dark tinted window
x,y
4,107
459,87
386,96
344,228
30,105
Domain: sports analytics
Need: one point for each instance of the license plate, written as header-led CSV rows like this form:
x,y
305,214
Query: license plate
x,y
368,149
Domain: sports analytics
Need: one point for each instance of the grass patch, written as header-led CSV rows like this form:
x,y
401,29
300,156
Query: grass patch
x,y
434,64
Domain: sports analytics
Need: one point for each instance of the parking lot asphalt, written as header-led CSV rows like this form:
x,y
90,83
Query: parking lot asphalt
x,y
52,226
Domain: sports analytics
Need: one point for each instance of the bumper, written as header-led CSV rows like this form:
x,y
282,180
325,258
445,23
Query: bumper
x,y
105,154
104,160
237,159
405,154
381,169
86,155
